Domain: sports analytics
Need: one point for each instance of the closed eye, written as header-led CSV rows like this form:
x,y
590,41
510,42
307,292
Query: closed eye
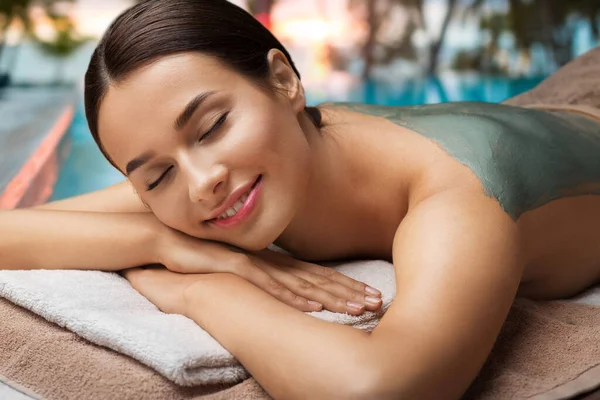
x,y
160,178
212,130
215,127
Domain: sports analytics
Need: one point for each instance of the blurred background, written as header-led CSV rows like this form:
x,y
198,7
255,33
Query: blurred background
x,y
391,52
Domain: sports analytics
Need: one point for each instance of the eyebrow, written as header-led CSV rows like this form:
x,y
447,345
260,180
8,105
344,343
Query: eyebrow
x,y
139,161
180,122
190,109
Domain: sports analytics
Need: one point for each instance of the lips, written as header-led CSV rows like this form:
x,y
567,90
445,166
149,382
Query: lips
x,y
242,193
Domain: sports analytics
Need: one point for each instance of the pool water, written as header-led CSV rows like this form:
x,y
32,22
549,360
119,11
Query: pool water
x,y
85,169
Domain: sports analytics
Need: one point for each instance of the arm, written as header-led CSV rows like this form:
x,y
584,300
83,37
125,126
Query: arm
x,y
457,273
291,354
107,230
120,197
110,230
39,239
458,269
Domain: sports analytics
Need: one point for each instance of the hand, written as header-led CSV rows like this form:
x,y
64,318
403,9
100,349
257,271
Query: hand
x,y
302,285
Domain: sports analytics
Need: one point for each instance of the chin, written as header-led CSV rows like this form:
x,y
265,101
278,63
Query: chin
x,y
259,242
247,244
255,247
264,234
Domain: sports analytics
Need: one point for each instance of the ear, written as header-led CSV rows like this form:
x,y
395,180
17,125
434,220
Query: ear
x,y
285,79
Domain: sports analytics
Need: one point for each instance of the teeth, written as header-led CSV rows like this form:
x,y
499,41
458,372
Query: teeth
x,y
230,212
238,205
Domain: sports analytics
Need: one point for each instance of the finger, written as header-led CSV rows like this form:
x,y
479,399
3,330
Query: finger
x,y
309,290
206,257
337,289
282,260
271,285
336,276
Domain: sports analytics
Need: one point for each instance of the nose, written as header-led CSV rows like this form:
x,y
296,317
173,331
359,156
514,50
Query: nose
x,y
207,184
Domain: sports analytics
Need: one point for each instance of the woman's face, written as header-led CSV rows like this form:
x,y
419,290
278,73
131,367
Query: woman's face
x,y
212,154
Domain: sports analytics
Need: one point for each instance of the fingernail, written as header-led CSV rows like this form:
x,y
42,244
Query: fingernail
x,y
316,304
355,305
372,300
372,291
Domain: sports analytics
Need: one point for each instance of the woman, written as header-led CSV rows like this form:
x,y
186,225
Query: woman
x,y
204,112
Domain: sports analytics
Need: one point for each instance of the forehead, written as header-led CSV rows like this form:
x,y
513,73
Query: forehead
x,y
149,99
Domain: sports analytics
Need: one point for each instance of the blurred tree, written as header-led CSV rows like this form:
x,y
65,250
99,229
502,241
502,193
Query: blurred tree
x,y
484,58
12,11
63,44
436,46
378,15
378,47
18,11
549,23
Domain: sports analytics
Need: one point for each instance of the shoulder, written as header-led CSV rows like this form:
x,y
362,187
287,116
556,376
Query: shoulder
x,y
493,147
471,108
373,110
458,228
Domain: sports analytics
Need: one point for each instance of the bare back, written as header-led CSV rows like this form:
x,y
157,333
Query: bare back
x,y
541,167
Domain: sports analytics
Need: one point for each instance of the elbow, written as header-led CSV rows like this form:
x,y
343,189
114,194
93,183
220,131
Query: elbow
x,y
378,383
377,377
370,384
362,384
351,384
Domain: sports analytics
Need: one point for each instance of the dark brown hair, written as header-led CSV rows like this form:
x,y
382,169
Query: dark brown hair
x,y
158,28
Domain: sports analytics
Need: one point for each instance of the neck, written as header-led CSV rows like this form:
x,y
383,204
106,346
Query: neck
x,y
342,200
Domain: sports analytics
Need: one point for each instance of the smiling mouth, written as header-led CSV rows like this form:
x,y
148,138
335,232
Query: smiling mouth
x,y
241,209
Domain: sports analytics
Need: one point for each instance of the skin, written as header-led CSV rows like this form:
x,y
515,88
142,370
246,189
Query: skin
x,y
206,172
379,183
521,170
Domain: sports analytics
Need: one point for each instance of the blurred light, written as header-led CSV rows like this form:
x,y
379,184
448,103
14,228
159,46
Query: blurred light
x,y
42,25
92,18
45,31
309,29
62,7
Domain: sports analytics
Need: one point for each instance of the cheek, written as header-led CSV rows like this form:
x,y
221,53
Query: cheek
x,y
173,214
255,143
291,149
284,150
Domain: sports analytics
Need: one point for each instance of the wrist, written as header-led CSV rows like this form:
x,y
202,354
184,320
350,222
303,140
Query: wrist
x,y
152,238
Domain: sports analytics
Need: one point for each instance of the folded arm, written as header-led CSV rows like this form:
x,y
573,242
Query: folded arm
x,y
109,229
457,273
112,230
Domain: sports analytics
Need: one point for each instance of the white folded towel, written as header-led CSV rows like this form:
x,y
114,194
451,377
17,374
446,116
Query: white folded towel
x,y
103,308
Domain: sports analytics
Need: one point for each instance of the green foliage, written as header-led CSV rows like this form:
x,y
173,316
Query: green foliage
x,y
18,10
544,22
11,10
66,40
377,15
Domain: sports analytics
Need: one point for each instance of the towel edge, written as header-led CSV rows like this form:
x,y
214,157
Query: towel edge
x,y
584,383
19,387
